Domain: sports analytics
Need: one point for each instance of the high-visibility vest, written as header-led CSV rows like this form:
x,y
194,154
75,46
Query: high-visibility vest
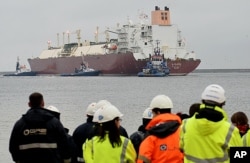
x,y
246,139
206,141
154,149
96,151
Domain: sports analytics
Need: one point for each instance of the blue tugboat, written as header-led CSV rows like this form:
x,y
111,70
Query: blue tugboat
x,y
83,71
21,70
156,66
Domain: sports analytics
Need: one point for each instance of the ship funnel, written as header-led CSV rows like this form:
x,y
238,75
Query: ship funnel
x,y
157,8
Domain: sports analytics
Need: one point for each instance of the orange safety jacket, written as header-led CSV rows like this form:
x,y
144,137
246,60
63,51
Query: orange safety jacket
x,y
162,144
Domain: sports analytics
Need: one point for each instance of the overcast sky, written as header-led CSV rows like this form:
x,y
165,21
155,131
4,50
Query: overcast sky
x,y
217,30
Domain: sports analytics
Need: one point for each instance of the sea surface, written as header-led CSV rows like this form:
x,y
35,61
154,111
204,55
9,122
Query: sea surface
x,y
131,95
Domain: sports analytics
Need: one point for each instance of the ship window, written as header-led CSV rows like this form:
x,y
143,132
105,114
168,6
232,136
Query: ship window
x,y
164,16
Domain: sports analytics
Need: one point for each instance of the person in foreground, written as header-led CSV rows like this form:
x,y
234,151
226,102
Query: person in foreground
x,y
108,145
82,132
138,136
56,112
207,136
162,143
38,136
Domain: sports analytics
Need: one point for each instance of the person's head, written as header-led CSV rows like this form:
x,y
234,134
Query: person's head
x,y
91,109
36,100
193,109
240,120
147,116
161,104
53,110
108,119
183,115
214,95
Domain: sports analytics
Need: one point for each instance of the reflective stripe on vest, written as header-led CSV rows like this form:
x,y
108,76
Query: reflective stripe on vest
x,y
80,159
37,145
245,140
184,121
123,153
124,147
215,160
144,159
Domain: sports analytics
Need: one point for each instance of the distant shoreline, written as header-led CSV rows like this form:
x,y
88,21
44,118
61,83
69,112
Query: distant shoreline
x,y
220,70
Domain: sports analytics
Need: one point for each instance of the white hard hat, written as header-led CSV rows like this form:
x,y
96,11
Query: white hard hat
x,y
102,103
106,113
53,109
161,102
147,114
91,109
215,93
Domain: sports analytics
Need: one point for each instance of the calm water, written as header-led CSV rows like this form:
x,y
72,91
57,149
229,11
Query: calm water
x,y
130,94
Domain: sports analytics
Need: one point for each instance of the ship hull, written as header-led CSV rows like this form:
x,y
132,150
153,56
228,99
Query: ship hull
x,y
110,64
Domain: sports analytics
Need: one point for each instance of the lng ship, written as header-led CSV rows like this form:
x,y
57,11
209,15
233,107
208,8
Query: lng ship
x,y
125,54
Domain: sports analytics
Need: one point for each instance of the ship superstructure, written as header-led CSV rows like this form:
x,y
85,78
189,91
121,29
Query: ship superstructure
x,y
126,54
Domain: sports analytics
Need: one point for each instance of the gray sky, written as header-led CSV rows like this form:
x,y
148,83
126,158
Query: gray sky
x,y
217,30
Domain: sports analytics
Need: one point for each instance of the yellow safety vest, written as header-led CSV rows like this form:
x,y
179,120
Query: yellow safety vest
x,y
206,141
246,139
96,151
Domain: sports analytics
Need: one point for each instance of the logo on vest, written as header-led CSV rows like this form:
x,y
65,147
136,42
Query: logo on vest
x,y
37,131
163,147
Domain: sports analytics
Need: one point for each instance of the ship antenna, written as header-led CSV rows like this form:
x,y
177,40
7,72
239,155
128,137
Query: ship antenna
x,y
63,37
78,32
58,44
157,49
17,65
96,34
68,33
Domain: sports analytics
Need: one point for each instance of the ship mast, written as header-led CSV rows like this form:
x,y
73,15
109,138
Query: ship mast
x,y
97,34
68,33
78,33
58,44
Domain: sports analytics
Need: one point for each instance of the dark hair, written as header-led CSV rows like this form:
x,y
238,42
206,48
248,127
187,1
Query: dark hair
x,y
145,121
183,115
113,132
194,108
239,118
35,99
161,110
212,103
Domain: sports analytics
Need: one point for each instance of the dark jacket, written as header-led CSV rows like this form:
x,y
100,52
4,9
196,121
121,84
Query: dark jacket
x,y
80,135
86,131
38,137
137,137
72,145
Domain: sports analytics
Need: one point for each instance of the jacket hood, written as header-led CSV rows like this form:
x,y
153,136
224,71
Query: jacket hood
x,y
37,115
163,125
208,120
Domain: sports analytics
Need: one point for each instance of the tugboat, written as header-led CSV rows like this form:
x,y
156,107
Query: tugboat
x,y
21,70
156,66
83,71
